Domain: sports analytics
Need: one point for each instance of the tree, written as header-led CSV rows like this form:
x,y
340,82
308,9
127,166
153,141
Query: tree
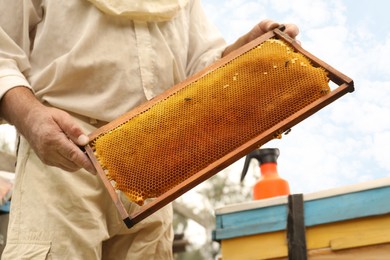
x,y
220,190
7,150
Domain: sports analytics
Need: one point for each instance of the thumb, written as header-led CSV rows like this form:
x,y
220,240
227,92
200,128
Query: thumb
x,y
82,140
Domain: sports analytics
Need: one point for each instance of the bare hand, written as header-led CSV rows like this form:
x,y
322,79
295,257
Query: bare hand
x,y
54,137
260,29
51,132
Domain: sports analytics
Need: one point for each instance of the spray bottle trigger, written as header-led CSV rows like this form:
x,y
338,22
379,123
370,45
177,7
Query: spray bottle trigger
x,y
254,154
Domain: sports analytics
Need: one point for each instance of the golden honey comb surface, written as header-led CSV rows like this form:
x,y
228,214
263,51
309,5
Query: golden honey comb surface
x,y
200,123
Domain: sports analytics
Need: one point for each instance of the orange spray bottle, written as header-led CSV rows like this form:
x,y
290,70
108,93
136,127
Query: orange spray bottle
x,y
270,183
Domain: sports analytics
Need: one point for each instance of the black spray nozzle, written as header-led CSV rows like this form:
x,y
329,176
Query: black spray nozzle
x,y
262,155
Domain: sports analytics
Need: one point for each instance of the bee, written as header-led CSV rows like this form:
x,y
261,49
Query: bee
x,y
278,134
187,99
324,91
286,63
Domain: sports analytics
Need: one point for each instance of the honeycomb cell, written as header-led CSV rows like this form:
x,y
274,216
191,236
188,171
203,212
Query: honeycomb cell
x,y
177,137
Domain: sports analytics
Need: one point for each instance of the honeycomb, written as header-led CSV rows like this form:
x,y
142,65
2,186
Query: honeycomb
x,y
175,138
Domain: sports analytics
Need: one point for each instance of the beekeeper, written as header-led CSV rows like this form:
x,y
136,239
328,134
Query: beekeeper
x,y
67,68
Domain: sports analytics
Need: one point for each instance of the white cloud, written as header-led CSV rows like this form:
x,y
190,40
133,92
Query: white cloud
x,y
374,60
380,149
305,12
348,141
234,17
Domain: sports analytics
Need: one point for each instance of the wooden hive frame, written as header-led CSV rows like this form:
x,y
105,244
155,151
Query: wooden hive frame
x,y
345,85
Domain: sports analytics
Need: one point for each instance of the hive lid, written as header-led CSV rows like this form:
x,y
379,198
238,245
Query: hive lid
x,y
328,193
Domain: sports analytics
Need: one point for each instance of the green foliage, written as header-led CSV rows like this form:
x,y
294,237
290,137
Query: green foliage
x,y
220,190
190,254
6,140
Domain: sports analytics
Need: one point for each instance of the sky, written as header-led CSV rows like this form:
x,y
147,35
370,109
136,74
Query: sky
x,y
348,141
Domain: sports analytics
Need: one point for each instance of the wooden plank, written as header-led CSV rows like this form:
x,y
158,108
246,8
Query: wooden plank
x,y
265,216
263,246
336,239
349,206
253,204
358,187
377,252
354,233
375,234
251,222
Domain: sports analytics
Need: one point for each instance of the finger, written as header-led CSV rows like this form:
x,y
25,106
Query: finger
x,y
292,30
82,140
58,160
73,132
268,25
76,158
260,29
65,166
